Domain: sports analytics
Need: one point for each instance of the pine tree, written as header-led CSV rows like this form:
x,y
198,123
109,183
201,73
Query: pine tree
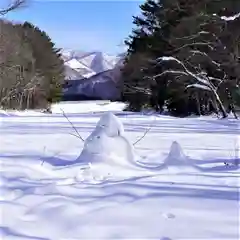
x,y
142,46
203,45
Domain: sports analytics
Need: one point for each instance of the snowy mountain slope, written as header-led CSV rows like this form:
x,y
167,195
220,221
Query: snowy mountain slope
x,y
72,73
68,54
98,61
92,62
76,66
181,181
93,74
103,85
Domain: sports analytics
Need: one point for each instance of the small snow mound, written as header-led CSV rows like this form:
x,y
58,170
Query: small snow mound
x,y
175,159
107,143
176,155
3,113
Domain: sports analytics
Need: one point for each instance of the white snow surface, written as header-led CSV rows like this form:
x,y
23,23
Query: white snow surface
x,y
180,181
231,18
87,106
82,70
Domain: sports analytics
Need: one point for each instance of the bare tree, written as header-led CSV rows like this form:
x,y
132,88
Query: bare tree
x,y
202,81
14,4
205,57
18,88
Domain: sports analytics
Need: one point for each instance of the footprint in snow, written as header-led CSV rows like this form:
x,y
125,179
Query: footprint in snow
x,y
169,215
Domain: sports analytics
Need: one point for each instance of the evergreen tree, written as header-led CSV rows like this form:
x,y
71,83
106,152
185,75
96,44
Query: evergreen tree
x,y
202,45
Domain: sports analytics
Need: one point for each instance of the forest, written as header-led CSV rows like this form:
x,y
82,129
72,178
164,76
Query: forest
x,y
31,67
183,56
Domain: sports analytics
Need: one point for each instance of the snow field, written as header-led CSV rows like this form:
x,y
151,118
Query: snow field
x,y
181,181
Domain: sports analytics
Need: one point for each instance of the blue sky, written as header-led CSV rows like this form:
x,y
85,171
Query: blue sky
x,y
82,25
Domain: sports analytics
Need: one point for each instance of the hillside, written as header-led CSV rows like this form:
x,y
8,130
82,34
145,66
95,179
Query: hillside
x,y
86,64
93,75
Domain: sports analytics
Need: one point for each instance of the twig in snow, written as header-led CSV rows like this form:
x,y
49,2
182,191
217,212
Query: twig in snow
x,y
145,133
79,136
44,154
142,136
75,135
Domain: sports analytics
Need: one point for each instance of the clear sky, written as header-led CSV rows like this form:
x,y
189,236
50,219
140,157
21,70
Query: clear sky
x,y
82,25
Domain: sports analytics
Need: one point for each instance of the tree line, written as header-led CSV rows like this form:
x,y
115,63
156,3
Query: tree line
x,y
31,67
184,56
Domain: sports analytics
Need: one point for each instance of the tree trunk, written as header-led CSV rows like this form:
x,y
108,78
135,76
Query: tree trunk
x,y
21,101
220,104
234,111
198,103
231,105
28,99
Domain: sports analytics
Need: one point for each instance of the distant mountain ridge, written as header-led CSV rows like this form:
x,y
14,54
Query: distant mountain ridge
x,y
92,74
81,65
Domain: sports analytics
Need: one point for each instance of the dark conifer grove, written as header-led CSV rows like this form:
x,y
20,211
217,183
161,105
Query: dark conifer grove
x,y
184,57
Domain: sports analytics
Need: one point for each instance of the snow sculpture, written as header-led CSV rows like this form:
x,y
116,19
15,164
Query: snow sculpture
x,y
107,143
111,124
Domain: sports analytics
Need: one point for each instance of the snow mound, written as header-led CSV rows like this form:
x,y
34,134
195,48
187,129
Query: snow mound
x,y
3,113
107,143
177,161
176,157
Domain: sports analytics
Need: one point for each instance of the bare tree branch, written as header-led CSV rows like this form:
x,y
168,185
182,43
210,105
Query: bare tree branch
x,y
172,72
132,89
186,72
203,81
145,133
12,6
199,34
194,52
207,44
79,136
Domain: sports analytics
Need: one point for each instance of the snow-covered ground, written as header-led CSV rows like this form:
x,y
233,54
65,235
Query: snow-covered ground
x,y
180,181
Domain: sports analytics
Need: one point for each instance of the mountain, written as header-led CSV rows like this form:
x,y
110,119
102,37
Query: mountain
x,y
91,75
87,64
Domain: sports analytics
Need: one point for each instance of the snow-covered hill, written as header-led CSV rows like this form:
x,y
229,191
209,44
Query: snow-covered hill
x,y
92,74
87,64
